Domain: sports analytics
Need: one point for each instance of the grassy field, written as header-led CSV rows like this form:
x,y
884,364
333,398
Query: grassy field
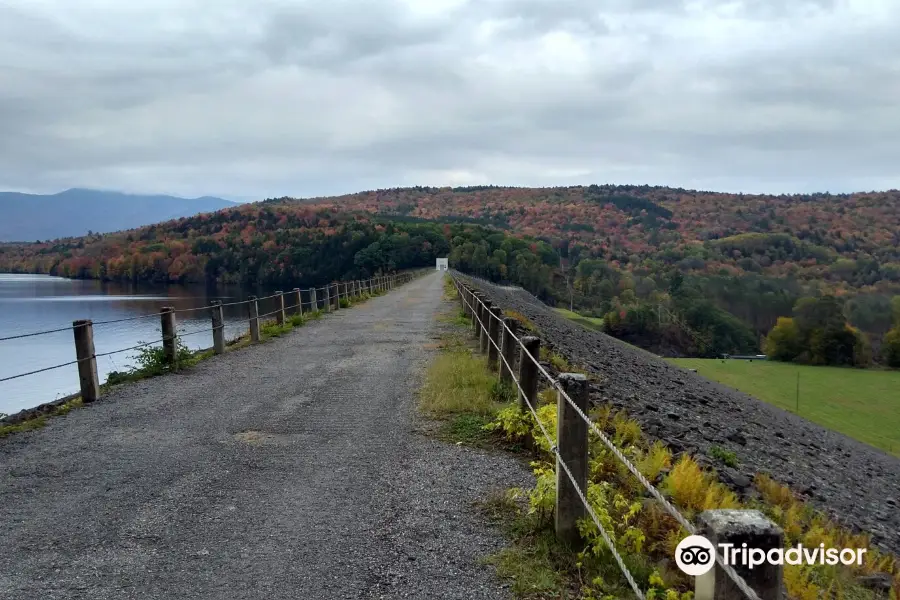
x,y
863,404
589,322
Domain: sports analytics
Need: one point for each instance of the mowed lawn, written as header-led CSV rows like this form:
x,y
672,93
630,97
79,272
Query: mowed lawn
x,y
863,404
595,323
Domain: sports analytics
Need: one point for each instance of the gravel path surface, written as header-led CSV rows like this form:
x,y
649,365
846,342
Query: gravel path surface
x,y
292,469
855,483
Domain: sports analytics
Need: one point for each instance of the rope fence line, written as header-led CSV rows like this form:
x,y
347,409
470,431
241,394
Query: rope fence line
x,y
739,582
181,335
332,295
137,318
35,334
141,345
359,283
74,362
553,447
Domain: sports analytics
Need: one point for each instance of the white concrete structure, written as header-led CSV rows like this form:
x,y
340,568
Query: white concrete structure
x,y
442,264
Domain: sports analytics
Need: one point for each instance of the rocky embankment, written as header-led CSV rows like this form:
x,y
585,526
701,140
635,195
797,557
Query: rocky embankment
x,y
856,484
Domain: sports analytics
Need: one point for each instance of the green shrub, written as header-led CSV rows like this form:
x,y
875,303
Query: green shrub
x,y
727,457
502,392
818,334
151,360
890,348
783,342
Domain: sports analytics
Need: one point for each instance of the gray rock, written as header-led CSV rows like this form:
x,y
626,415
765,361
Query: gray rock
x,y
881,582
735,479
737,437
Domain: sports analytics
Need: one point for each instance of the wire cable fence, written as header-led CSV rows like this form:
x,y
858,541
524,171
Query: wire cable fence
x,y
476,308
317,298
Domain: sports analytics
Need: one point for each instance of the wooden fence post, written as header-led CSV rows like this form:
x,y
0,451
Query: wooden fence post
x,y
87,362
218,327
528,372
167,324
313,303
280,317
336,289
572,441
738,527
476,314
495,323
508,349
253,307
326,301
484,332
299,297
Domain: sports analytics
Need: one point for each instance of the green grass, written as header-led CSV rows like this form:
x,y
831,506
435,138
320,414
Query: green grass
x,y
727,457
468,429
535,564
861,403
457,383
595,323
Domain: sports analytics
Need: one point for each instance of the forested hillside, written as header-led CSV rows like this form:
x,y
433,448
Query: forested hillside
x,y
845,241
676,271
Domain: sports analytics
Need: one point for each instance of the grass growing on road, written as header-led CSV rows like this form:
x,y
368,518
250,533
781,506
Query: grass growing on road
x,y
458,389
861,403
532,563
595,323
457,383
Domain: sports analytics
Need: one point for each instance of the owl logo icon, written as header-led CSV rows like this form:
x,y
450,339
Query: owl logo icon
x,y
695,555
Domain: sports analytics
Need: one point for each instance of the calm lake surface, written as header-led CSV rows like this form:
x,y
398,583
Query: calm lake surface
x,y
30,303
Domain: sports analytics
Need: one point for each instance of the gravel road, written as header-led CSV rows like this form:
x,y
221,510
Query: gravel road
x,y
855,483
292,470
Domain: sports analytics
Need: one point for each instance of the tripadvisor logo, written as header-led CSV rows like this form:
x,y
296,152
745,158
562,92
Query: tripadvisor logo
x,y
695,555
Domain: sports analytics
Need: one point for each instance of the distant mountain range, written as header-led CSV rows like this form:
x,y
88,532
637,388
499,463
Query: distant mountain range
x,y
31,217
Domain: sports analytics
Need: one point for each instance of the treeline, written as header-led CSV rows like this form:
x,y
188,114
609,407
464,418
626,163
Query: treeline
x,y
251,247
657,303
673,313
818,333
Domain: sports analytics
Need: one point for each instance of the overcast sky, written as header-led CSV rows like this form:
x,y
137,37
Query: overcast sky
x,y
258,98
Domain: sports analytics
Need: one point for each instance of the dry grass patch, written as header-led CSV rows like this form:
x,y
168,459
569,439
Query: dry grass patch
x,y
457,382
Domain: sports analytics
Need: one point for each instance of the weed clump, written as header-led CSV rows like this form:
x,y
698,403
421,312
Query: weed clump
x,y
457,382
523,321
727,457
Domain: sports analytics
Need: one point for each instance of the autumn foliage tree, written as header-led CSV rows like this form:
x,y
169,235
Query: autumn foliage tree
x,y
818,334
890,346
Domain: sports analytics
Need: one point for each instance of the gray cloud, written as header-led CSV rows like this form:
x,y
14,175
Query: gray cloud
x,y
311,98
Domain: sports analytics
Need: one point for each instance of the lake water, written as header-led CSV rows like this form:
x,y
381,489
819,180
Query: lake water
x,y
30,303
